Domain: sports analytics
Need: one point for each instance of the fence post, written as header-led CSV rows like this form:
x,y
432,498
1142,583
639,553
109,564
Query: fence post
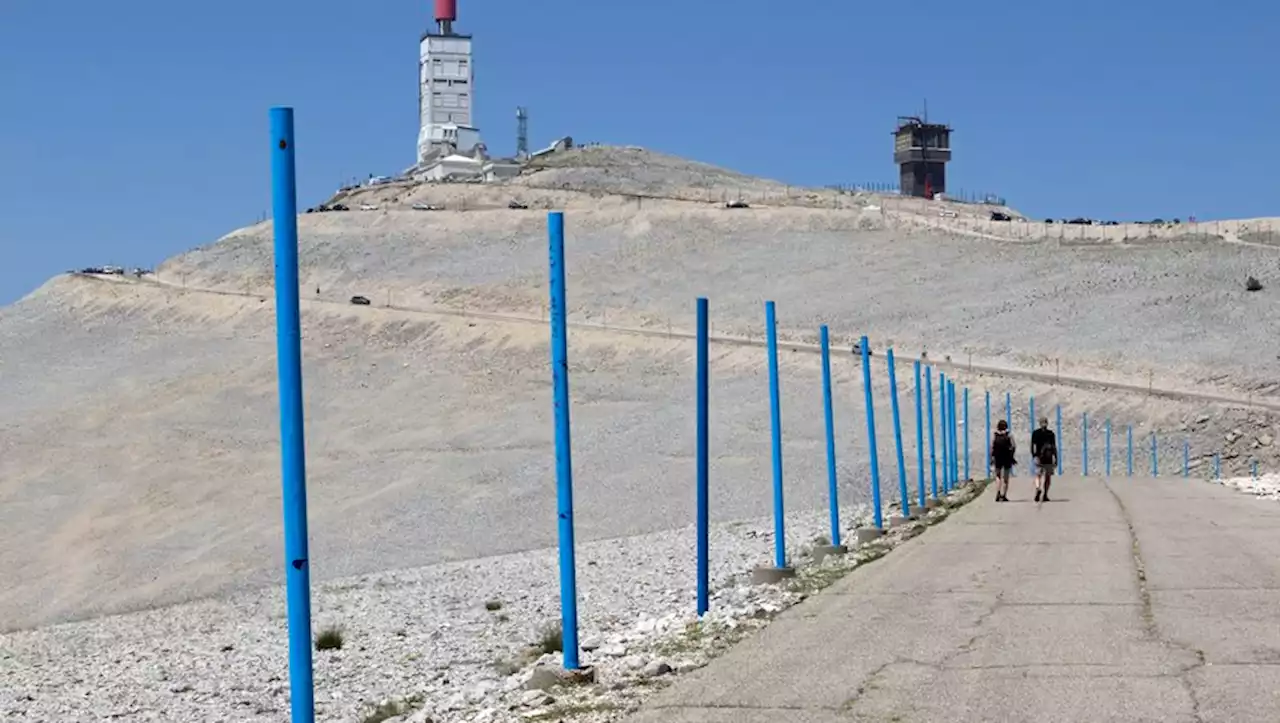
x,y
871,434
564,461
897,436
1186,458
775,416
919,437
1217,466
1130,450
1084,444
933,451
704,461
284,209
1155,462
986,437
832,491
966,433
1108,453
1255,469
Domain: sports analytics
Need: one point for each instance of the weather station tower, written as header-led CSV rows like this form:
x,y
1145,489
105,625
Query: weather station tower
x,y
446,89
921,150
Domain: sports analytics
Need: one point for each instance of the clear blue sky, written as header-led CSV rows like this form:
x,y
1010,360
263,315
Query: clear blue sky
x,y
130,131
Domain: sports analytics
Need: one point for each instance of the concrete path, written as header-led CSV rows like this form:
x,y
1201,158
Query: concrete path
x,y
1128,599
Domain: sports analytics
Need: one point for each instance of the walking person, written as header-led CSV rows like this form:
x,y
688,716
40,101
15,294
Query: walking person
x,y
1044,449
1002,451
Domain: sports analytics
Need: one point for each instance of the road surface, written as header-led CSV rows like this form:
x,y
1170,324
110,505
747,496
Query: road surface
x,y
1123,599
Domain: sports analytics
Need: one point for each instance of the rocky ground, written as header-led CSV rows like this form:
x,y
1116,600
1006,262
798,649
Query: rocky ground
x,y
1264,486
474,641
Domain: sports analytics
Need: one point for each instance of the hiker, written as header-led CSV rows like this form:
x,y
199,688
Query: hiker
x,y
1002,450
1044,449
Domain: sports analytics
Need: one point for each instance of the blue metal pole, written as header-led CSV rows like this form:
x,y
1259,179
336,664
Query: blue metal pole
x,y
1217,466
986,437
1108,454
1186,458
1084,445
1130,450
1008,411
919,435
871,433
1031,420
284,209
945,438
704,460
564,457
897,436
966,433
933,450
955,433
775,407
1155,462
832,491
1058,427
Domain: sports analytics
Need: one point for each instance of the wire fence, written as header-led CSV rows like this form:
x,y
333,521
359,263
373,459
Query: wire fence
x,y
890,187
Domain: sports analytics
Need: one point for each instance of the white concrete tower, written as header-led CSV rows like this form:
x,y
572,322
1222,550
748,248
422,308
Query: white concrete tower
x,y
446,89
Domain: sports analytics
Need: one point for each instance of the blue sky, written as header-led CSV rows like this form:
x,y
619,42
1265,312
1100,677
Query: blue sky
x,y
132,131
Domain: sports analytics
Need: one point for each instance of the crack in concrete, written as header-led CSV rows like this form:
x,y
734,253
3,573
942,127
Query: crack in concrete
x,y
939,666
1151,627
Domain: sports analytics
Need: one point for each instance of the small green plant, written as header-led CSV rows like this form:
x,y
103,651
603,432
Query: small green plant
x,y
493,606
550,640
329,639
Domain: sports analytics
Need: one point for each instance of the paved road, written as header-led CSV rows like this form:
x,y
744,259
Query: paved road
x,y
1120,600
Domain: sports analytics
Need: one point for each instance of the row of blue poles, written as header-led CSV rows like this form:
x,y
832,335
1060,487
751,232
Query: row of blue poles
x,y
293,469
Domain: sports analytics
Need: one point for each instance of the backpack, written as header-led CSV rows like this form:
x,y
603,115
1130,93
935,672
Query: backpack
x,y
1048,454
1002,447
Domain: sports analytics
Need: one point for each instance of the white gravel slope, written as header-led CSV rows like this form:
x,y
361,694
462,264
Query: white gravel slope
x,y
423,635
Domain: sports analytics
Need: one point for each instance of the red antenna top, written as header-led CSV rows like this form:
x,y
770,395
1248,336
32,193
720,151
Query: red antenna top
x,y
446,10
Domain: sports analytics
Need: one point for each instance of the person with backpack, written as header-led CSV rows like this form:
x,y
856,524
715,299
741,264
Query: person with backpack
x,y
1002,450
1044,448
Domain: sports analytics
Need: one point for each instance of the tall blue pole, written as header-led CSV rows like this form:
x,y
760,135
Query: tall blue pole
x,y
933,450
775,413
1130,450
955,433
1058,426
966,433
897,436
832,491
1084,445
871,433
704,460
564,457
1031,420
1008,411
1217,466
919,436
1108,454
1155,462
284,210
942,430
1186,458
986,437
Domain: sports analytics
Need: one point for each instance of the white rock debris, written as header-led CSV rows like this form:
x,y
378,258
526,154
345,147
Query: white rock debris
x,y
456,642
